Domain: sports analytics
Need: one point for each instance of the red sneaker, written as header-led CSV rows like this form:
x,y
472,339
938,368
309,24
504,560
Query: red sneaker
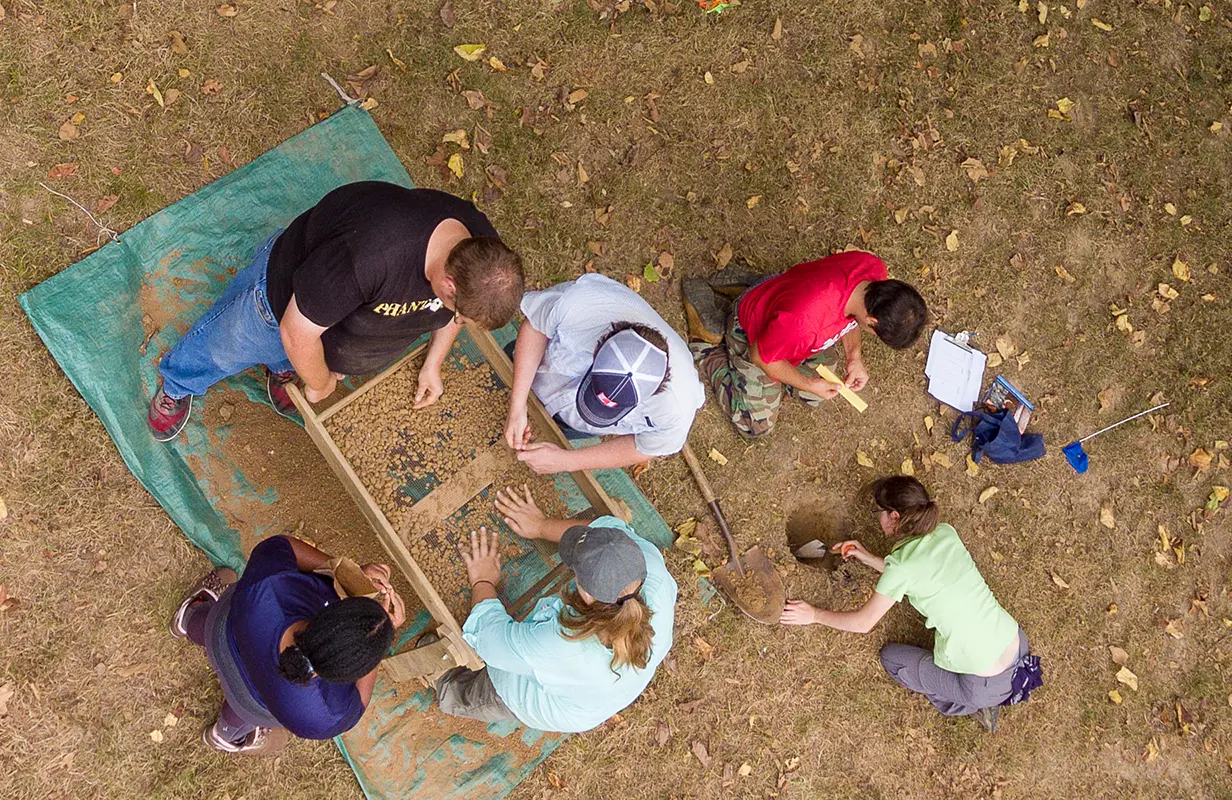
x,y
276,387
167,415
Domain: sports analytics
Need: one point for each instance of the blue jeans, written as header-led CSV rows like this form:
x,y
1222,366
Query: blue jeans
x,y
239,331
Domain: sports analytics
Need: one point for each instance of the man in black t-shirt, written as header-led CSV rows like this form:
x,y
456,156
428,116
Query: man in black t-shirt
x,y
344,290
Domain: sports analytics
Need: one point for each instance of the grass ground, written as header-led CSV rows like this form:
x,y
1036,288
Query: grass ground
x,y
850,125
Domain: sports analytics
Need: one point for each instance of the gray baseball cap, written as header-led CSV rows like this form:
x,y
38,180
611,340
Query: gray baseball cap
x,y
605,560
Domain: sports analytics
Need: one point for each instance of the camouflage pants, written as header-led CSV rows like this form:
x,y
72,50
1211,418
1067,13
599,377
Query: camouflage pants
x,y
748,396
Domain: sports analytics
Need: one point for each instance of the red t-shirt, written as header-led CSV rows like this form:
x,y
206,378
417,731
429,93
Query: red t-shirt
x,y
803,311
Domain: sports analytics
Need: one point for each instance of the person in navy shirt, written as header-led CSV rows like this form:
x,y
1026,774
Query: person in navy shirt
x,y
292,656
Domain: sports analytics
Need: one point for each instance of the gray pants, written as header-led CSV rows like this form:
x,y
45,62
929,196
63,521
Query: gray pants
x,y
952,693
469,693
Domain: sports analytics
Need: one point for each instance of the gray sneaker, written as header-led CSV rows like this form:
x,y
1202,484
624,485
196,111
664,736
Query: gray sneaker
x,y
987,717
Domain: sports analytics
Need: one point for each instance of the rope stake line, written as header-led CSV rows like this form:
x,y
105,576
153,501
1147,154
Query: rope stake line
x,y
346,98
115,237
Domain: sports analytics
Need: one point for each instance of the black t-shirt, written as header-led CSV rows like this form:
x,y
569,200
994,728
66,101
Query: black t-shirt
x,y
355,263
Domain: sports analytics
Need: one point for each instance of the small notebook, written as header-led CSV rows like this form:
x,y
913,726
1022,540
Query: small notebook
x,y
955,370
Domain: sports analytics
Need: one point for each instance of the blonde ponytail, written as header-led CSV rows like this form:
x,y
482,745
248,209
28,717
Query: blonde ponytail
x,y
624,628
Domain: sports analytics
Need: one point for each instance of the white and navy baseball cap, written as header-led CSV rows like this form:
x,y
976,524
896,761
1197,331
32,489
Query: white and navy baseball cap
x,y
627,370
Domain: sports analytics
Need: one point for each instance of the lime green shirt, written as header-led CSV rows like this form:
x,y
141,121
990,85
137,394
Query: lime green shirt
x,y
935,572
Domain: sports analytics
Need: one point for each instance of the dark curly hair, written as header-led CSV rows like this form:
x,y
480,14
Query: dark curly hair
x,y
344,642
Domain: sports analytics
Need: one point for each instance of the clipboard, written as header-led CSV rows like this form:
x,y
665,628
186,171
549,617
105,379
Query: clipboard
x,y
955,370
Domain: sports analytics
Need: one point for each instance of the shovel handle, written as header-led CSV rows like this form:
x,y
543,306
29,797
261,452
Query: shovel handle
x,y
703,485
699,477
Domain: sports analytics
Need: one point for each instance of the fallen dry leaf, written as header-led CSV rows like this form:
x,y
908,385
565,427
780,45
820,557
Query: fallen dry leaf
x,y
456,166
777,33
951,241
470,52
577,96
941,460
708,78
724,256
211,87
1174,630
988,493
717,457
1108,398
447,15
1119,656
1006,347
1057,579
582,176
1200,459
1128,678
863,460
1099,23
1180,269
170,720
458,137
68,131
104,204
973,469
1075,208
703,755
65,170
975,169
908,467
753,201
1151,751
1106,518
156,736
178,45
928,423
224,10
4,510
496,64
151,88
662,734
634,282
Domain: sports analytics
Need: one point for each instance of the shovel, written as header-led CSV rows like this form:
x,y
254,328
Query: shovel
x,y
749,581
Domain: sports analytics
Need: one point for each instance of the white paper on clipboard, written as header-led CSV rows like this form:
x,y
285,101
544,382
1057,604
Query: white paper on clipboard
x,y
955,371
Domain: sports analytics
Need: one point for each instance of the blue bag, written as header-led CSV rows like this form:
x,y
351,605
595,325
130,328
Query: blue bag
x,y
996,435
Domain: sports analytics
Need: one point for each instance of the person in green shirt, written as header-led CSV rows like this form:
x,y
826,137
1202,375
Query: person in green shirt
x,y
978,646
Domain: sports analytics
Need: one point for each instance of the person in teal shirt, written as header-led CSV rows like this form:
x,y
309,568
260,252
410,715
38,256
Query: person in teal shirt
x,y
580,656
978,648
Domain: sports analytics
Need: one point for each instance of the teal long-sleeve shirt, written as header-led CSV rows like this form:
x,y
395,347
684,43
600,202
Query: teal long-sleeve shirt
x,y
554,684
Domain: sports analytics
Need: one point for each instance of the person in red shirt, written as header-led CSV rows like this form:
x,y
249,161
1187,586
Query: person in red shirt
x,y
782,327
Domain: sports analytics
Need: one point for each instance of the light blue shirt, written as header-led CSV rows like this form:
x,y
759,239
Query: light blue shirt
x,y
554,684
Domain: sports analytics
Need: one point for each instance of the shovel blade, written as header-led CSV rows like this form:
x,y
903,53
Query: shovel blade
x,y
759,594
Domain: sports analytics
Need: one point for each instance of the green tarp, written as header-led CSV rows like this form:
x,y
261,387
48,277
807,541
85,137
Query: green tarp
x,y
95,316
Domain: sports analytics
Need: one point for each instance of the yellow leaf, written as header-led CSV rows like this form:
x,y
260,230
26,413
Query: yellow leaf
x,y
900,215
975,169
1075,208
456,166
1042,8
1054,114
941,460
184,73
746,770
156,736
718,457
1059,581
1063,273
369,104
78,118
951,241
4,510
1006,347
1128,678
775,35
1174,630
708,78
226,10
908,467
1151,751
700,568
470,52
1123,323
1167,292
1115,696
1119,656
496,64
1216,126
1180,269
1099,23
1218,494
1165,541
928,423
863,460
151,88
577,96
987,493
397,61
1041,40
1105,517
973,468
457,137
1171,209
170,720
1064,105
582,177
753,201
1200,459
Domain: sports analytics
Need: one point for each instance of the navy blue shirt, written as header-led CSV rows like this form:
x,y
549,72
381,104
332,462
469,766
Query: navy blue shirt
x,y
271,596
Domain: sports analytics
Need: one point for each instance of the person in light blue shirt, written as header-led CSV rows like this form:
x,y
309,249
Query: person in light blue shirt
x,y
582,655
